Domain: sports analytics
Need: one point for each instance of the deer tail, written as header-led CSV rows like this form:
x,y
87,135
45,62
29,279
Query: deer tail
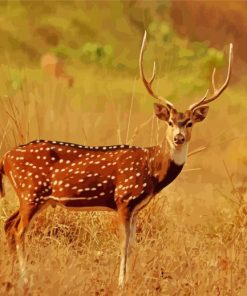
x,y
2,191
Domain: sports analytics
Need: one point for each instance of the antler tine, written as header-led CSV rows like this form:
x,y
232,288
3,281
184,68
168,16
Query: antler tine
x,y
213,81
148,84
216,92
201,102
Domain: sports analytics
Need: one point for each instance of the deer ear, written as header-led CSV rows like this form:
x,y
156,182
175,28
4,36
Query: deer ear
x,y
161,111
200,113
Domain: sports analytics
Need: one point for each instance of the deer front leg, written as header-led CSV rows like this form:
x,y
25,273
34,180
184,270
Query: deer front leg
x,y
127,228
131,247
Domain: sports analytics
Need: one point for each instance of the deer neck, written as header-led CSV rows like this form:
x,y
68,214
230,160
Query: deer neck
x,y
168,163
177,155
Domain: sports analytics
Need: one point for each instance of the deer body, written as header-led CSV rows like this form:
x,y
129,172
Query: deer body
x,y
120,178
79,176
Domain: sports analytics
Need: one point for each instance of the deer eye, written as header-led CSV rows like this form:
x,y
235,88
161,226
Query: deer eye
x,y
189,124
170,123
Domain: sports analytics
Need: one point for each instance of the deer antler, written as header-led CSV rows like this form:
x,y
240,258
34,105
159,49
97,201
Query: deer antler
x,y
148,84
216,92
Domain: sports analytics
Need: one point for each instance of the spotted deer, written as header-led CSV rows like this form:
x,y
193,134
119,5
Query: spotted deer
x,y
54,67
120,178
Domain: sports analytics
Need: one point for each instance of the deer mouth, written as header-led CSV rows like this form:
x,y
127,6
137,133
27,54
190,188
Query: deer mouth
x,y
178,143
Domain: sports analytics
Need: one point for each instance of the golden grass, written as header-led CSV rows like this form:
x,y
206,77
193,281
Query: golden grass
x,y
191,239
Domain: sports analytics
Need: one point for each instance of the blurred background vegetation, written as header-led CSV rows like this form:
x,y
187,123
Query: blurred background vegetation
x,y
105,36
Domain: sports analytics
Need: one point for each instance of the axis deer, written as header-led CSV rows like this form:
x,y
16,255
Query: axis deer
x,y
120,178
55,68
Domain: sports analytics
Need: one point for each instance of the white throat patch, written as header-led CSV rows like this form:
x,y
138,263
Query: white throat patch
x,y
179,156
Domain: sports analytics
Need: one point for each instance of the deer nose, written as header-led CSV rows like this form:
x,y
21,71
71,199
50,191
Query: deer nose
x,y
179,139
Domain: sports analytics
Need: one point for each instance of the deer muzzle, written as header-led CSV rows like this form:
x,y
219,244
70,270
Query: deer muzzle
x,y
179,139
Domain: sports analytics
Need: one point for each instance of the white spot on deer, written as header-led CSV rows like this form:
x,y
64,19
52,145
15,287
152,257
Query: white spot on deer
x,y
67,185
68,161
102,193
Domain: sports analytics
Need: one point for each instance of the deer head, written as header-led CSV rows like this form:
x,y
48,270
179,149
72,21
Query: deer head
x,y
180,124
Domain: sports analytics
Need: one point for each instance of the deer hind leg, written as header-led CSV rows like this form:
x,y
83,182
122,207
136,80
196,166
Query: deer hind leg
x,y
26,214
15,228
126,228
9,227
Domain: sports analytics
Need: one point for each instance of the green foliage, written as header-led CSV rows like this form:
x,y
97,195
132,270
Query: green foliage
x,y
106,35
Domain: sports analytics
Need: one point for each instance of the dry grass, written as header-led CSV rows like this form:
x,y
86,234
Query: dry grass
x,y
191,239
